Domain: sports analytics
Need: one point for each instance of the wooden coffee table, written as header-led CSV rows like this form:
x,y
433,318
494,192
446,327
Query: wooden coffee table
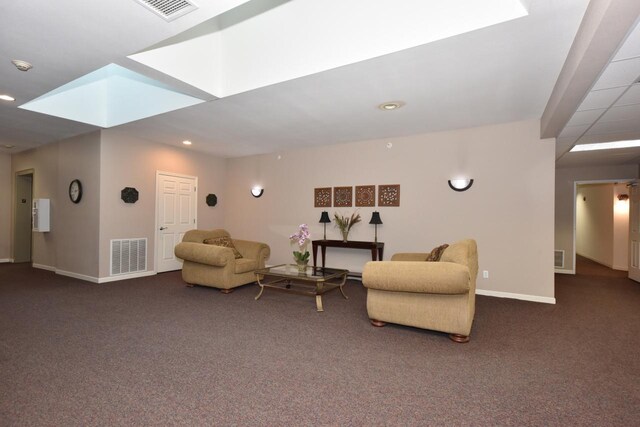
x,y
315,281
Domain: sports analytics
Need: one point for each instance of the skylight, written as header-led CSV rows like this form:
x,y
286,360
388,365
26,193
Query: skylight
x,y
110,96
605,146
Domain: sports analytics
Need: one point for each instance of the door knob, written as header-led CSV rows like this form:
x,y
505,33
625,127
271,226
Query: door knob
x,y
163,228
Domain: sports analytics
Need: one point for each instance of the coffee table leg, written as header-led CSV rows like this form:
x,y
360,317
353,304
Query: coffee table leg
x,y
261,289
319,303
344,279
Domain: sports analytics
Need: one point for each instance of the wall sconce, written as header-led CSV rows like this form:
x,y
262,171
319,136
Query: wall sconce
x,y
460,184
375,219
623,197
324,219
257,191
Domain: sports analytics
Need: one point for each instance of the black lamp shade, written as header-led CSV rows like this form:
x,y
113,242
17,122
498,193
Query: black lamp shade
x,y
375,218
324,218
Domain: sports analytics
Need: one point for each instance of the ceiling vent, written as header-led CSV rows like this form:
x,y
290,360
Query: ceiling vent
x,y
169,9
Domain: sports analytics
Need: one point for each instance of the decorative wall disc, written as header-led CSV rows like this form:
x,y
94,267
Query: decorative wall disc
x,y
212,200
129,195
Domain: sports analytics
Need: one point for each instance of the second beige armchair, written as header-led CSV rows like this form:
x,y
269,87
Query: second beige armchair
x,y
208,262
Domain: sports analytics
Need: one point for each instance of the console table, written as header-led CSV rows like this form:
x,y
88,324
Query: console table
x,y
376,248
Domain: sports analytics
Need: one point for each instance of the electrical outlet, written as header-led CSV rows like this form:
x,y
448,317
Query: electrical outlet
x,y
485,274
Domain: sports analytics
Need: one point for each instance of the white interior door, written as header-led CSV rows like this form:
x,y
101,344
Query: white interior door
x,y
634,232
176,214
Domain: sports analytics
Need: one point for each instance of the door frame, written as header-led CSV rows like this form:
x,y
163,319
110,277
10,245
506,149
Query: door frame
x,y
14,201
575,201
156,245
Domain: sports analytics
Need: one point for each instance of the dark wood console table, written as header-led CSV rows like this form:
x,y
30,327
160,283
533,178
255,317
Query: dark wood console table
x,y
376,248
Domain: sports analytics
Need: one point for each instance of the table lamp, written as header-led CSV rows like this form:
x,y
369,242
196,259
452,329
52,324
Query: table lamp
x,y
324,219
375,219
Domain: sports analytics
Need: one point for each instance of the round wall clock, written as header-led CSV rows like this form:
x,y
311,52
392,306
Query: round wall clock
x,y
75,191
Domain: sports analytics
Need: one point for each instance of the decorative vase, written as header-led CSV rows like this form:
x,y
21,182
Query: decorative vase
x,y
345,235
302,266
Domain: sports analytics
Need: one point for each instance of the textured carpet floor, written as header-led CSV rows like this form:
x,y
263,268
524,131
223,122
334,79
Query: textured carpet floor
x,y
151,351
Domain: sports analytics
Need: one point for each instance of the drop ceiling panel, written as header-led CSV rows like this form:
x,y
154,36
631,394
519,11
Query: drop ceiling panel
x,y
601,98
621,126
621,73
573,131
632,96
585,117
627,112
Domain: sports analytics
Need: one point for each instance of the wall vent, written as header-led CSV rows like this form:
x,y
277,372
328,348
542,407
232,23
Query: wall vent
x,y
128,256
169,9
558,259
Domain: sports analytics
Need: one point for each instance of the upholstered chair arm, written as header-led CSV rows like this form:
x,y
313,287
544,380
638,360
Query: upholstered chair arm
x,y
410,256
216,256
252,250
420,277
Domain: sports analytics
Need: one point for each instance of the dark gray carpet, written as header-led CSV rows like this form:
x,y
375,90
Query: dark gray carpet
x,y
153,352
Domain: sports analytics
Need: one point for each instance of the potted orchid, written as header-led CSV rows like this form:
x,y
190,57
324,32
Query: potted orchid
x,y
301,239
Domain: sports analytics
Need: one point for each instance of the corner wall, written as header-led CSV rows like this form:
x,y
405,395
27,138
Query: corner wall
x,y
509,209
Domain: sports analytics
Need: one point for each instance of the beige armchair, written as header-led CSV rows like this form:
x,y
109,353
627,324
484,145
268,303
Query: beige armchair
x,y
217,266
431,295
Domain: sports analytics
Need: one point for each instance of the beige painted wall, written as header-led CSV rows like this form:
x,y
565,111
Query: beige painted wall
x,y
594,222
78,224
509,209
5,206
620,229
44,162
132,162
564,199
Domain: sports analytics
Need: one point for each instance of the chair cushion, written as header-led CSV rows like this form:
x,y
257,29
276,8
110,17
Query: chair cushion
x,y
243,265
225,242
436,253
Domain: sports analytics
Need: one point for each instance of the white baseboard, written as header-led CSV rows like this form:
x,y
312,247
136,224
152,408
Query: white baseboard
x,y
43,267
6,260
564,271
533,298
78,276
126,276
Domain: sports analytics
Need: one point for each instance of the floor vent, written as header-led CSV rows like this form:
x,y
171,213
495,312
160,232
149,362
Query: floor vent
x,y
128,256
558,259
169,9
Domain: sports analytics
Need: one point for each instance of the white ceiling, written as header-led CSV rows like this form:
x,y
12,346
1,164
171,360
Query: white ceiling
x,y
498,74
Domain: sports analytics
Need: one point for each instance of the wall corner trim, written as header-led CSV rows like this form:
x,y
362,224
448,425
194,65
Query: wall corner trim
x,y
126,276
43,267
532,298
77,276
564,271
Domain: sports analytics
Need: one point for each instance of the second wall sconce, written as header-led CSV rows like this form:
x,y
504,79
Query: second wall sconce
x,y
460,184
257,191
623,197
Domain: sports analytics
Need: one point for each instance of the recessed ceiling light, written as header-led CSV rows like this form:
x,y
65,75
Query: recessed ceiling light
x,y
22,65
7,98
388,106
605,146
186,142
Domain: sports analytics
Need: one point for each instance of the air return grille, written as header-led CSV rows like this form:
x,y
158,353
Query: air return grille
x,y
128,256
558,259
169,9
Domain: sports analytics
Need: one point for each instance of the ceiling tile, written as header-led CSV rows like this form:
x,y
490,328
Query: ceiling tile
x,y
585,117
621,73
601,98
627,112
620,126
631,46
632,96
571,131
